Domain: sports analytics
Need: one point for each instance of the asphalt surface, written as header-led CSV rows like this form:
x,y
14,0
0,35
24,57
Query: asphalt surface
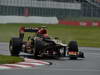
x,y
90,65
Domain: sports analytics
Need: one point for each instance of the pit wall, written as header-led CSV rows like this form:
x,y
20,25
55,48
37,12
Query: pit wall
x,y
28,19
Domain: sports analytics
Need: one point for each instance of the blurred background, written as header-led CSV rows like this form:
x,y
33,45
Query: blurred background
x,y
62,9
83,14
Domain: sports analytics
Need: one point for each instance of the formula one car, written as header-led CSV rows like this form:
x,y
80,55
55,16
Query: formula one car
x,y
38,45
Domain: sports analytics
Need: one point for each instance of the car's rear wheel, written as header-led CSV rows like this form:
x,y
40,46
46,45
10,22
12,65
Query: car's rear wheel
x,y
15,46
36,49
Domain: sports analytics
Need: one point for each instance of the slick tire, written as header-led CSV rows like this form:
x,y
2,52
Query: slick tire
x,y
36,49
73,46
15,46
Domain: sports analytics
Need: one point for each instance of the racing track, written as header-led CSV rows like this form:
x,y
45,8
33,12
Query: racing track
x,y
88,66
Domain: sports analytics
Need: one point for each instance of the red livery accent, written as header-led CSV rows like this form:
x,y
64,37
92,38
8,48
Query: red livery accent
x,y
79,23
75,23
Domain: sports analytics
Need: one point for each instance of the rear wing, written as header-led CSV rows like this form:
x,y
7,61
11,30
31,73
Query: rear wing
x,y
24,29
30,30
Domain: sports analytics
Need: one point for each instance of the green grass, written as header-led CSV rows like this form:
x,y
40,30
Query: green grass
x,y
9,59
86,36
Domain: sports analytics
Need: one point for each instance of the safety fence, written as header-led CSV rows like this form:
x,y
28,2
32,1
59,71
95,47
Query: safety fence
x,y
62,9
48,11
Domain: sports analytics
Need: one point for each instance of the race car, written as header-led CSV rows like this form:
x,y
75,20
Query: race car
x,y
38,45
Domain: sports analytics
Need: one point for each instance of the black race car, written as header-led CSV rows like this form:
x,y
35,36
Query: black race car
x,y
39,45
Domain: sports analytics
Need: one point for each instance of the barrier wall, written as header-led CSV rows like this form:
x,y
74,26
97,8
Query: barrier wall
x,y
44,20
79,23
30,19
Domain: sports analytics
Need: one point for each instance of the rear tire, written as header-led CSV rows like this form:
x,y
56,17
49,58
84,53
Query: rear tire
x,y
15,46
36,49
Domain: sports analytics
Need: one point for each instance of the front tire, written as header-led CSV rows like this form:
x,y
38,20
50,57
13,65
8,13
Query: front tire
x,y
73,46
